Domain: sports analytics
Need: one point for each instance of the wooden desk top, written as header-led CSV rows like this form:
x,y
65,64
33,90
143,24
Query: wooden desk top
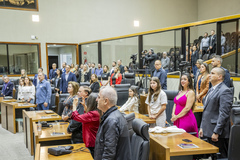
x,y
73,156
19,105
198,107
42,116
171,141
143,117
45,134
8,100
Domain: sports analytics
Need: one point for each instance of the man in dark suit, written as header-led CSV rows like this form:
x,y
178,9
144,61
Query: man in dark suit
x,y
121,67
217,103
198,65
53,71
36,80
63,67
194,58
213,40
65,78
217,62
93,69
7,88
151,58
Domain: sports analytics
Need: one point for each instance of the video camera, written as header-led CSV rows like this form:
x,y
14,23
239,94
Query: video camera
x,y
185,67
134,58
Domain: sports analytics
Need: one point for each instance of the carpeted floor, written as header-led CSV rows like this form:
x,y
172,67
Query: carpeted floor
x,y
12,146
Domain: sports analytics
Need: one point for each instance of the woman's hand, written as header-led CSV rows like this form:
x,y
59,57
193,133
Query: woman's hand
x,y
83,101
174,118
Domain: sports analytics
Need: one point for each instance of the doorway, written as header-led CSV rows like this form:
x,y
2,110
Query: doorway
x,y
51,60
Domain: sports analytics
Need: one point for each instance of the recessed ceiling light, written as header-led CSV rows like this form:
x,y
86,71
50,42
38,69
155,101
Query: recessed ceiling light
x,y
136,23
35,18
54,45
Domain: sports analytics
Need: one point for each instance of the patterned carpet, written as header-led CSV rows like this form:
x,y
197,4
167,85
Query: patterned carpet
x,y
12,146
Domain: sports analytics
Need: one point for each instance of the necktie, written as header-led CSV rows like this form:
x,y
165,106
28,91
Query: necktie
x,y
210,91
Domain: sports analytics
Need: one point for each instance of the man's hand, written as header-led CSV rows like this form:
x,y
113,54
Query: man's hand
x,y
60,92
200,133
45,104
215,137
210,47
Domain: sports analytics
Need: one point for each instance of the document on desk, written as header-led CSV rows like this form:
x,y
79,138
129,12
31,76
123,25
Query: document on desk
x,y
172,129
46,117
187,145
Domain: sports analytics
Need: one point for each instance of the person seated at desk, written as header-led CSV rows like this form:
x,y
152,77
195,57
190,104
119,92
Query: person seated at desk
x,y
56,81
157,102
182,115
20,86
75,127
7,89
202,83
132,102
28,91
68,102
90,120
105,76
94,84
116,77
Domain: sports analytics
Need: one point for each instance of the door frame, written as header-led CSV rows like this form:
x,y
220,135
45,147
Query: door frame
x,y
73,44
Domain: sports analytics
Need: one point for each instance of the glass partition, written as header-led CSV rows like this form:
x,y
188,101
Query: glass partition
x,y
161,42
3,59
120,49
238,47
90,53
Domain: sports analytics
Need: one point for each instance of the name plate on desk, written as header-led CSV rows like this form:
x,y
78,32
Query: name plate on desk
x,y
46,117
185,145
57,133
200,106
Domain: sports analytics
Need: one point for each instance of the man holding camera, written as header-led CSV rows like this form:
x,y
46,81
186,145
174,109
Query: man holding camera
x,y
150,58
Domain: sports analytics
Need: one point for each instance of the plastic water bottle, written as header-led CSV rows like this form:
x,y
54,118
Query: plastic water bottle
x,y
143,92
39,126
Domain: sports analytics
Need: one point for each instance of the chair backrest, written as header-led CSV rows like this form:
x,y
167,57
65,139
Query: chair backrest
x,y
122,92
140,140
53,100
170,96
231,86
129,78
234,145
62,97
130,117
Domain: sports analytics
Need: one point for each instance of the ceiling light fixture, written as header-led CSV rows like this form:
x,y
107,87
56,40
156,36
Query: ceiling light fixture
x,y
136,23
35,18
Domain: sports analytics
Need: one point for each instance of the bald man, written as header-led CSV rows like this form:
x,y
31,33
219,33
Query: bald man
x,y
7,88
161,74
217,103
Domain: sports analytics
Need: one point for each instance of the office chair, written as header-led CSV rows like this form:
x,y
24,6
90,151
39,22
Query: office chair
x,y
140,140
130,117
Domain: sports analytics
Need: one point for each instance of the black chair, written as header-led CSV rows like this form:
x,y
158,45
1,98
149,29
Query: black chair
x,y
231,86
234,145
53,101
1,84
62,97
170,96
129,78
130,117
122,92
140,140
84,83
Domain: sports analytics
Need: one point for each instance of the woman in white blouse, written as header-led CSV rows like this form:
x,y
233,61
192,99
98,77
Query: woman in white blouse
x,y
20,87
132,102
28,91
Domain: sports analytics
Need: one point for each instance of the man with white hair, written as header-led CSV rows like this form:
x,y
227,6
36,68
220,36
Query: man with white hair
x,y
7,88
112,140
165,62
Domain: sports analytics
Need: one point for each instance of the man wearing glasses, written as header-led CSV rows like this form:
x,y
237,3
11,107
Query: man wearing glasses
x,y
161,74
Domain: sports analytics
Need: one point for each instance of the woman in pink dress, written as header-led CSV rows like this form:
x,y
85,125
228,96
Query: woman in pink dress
x,y
182,114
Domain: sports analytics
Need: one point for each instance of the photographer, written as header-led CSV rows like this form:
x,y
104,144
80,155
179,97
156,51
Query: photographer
x,y
144,53
150,58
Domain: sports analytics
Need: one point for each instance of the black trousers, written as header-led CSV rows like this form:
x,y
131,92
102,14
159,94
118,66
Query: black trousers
x,y
213,50
204,51
222,144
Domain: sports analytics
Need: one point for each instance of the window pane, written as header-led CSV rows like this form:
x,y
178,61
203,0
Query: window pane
x,y
23,57
90,53
119,49
3,59
229,48
160,42
178,42
239,47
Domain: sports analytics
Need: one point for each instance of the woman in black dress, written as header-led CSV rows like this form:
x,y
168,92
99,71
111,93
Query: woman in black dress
x,y
105,77
94,84
56,81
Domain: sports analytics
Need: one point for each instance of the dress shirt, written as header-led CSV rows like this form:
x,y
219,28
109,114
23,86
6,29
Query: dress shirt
x,y
66,75
99,72
43,92
204,43
223,40
162,76
165,62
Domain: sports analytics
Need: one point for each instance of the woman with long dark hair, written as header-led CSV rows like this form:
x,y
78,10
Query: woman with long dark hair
x,y
90,120
56,81
182,114
94,84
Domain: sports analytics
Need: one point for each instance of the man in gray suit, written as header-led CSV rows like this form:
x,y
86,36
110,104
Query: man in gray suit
x,y
217,103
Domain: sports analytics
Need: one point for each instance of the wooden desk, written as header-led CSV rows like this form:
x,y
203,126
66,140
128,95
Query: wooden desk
x,y
143,117
34,116
8,117
45,134
143,106
42,153
2,100
198,107
164,146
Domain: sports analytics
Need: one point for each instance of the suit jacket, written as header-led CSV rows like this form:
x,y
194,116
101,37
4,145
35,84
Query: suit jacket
x,y
58,83
52,73
204,86
9,89
213,41
151,60
121,67
35,79
64,82
95,87
90,71
216,113
194,57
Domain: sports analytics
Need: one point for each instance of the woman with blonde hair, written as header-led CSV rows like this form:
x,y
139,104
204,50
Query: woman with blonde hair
x,y
202,85
68,103
23,74
116,77
85,74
